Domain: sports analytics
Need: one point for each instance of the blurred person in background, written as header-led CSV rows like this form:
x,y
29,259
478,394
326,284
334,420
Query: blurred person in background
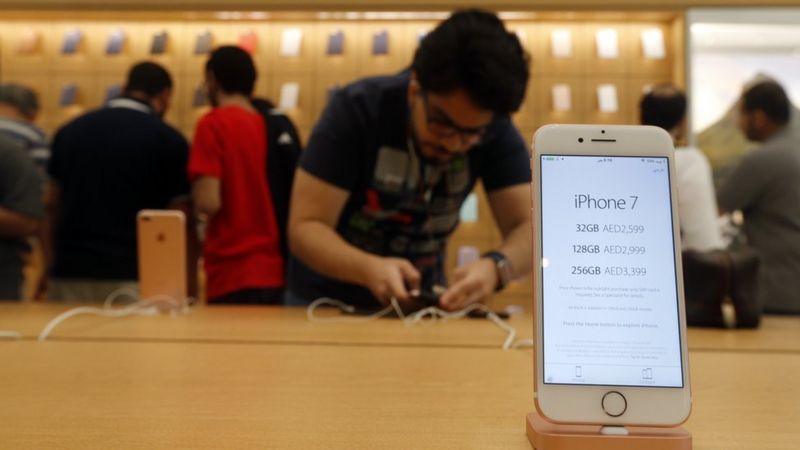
x,y
665,107
765,186
283,151
106,166
392,159
230,190
21,211
19,107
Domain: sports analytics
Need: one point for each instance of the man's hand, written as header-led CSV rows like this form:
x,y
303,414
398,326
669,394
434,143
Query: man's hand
x,y
389,278
472,283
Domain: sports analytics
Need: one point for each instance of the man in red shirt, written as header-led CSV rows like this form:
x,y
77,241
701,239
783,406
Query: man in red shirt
x,y
227,168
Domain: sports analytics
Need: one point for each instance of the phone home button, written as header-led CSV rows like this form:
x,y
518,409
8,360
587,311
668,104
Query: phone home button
x,y
614,404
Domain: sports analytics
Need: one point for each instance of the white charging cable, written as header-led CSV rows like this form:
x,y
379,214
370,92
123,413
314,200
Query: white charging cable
x,y
350,309
9,334
432,312
523,343
148,306
133,294
119,293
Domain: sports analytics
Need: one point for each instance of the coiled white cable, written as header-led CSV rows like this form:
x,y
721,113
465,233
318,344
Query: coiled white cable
x,y
433,312
326,301
125,291
141,307
523,343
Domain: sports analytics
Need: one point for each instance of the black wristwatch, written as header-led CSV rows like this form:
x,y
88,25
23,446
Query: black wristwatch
x,y
504,271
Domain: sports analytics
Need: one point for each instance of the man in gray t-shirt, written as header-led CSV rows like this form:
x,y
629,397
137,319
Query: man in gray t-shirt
x,y
19,106
20,213
765,186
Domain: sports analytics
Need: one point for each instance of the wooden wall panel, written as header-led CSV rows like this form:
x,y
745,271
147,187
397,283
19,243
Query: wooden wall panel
x,y
47,70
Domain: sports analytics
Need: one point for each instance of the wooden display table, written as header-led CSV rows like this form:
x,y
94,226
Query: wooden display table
x,y
289,325
256,324
233,395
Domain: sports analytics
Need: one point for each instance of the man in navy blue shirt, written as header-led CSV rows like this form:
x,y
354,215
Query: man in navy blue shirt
x,y
391,161
106,166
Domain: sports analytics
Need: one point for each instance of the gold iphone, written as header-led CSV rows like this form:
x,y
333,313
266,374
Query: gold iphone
x,y
161,236
609,322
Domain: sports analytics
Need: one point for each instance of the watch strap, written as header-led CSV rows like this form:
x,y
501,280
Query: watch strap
x,y
503,267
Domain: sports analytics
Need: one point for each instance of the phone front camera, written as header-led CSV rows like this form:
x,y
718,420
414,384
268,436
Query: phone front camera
x,y
603,131
580,140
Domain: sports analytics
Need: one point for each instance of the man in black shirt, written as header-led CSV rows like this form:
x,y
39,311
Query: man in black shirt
x,y
391,161
106,166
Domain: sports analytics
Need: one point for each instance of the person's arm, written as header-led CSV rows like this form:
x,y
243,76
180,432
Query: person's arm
x,y
329,168
745,183
20,194
511,208
193,248
16,225
52,203
206,196
205,168
476,281
314,212
21,209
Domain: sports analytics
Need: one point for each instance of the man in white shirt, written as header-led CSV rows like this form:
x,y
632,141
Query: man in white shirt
x,y
665,106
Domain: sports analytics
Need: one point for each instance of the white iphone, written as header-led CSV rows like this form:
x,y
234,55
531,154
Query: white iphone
x,y
609,322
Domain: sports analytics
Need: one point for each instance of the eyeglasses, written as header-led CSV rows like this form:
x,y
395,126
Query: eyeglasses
x,y
443,127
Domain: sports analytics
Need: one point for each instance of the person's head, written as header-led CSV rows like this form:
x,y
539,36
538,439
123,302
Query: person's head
x,y
764,109
229,71
150,82
18,102
466,72
665,107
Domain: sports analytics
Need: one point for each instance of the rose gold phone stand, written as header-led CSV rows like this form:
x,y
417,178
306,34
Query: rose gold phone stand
x,y
544,435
